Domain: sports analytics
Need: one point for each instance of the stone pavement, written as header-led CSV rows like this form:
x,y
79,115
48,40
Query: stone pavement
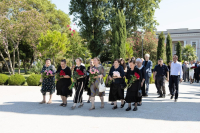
x,y
21,113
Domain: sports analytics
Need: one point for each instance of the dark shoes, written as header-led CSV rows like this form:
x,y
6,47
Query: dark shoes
x,y
160,97
163,96
128,109
115,107
123,104
61,104
135,109
172,97
112,103
139,104
88,101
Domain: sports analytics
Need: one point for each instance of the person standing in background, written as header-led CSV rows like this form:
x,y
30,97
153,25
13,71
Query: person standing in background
x,y
148,66
155,79
175,77
160,74
185,71
196,72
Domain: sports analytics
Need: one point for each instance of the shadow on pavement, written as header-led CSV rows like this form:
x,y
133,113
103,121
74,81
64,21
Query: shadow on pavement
x,y
157,110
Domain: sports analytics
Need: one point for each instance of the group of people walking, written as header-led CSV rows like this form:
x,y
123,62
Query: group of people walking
x,y
136,71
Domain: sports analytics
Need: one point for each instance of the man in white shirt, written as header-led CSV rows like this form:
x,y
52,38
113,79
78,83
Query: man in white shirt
x,y
175,76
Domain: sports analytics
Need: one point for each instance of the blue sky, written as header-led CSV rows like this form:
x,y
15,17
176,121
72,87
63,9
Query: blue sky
x,y
172,14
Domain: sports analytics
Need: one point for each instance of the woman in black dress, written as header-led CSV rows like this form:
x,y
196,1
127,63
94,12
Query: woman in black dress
x,y
142,71
132,91
79,85
115,88
62,86
48,84
87,80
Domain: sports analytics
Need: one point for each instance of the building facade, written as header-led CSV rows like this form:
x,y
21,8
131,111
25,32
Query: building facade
x,y
185,36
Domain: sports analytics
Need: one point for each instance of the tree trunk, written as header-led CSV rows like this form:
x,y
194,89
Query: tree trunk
x,y
13,64
24,64
30,63
5,63
19,65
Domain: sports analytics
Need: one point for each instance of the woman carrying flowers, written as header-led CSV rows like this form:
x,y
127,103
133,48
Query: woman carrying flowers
x,y
96,76
134,84
80,74
48,83
63,78
116,74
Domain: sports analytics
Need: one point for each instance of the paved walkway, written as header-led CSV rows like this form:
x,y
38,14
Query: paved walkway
x,y
21,113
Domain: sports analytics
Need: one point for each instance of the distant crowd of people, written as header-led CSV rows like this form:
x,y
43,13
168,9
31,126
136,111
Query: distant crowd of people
x,y
136,71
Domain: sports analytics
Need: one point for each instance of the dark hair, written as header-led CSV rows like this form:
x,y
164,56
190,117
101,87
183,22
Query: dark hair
x,y
117,60
133,58
63,60
160,59
132,61
48,59
124,63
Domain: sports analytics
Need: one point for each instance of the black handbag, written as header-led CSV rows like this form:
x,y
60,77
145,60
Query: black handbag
x,y
139,93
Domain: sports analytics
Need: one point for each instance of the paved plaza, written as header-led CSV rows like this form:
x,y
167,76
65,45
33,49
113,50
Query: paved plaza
x,y
20,112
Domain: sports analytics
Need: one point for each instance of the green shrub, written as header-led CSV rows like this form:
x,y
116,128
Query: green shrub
x,y
16,80
34,80
37,68
3,79
152,80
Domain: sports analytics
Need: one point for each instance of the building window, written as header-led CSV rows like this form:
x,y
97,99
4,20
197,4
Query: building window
x,y
175,44
194,45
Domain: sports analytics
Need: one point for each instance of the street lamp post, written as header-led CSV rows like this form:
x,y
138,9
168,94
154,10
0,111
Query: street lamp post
x,y
142,43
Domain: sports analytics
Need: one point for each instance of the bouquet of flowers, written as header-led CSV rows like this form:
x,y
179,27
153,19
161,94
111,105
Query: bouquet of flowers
x,y
60,75
47,74
76,75
134,77
193,67
116,74
93,73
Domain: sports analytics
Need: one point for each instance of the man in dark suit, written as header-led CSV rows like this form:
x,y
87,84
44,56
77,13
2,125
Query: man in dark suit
x,y
148,66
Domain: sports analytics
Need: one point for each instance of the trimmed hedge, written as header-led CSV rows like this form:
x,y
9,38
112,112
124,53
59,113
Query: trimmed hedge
x,y
34,80
16,80
3,79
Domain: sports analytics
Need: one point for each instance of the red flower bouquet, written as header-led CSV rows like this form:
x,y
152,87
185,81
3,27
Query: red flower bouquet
x,y
76,75
134,77
60,75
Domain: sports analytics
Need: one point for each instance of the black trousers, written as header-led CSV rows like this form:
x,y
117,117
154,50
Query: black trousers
x,y
174,80
161,85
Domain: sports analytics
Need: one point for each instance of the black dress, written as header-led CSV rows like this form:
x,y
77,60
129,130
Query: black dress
x,y
132,92
48,84
143,73
87,82
115,89
62,86
79,85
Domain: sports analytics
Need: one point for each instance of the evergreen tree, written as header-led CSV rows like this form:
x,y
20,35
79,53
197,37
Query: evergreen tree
x,y
169,48
119,36
179,51
160,49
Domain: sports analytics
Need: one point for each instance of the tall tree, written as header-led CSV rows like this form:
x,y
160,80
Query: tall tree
x,y
179,51
139,13
119,36
169,48
53,43
161,44
92,17
18,23
129,51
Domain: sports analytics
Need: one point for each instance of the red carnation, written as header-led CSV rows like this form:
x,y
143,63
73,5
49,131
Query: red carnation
x,y
70,28
79,72
62,73
137,75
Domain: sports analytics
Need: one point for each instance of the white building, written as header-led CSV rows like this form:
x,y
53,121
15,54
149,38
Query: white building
x,y
185,36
